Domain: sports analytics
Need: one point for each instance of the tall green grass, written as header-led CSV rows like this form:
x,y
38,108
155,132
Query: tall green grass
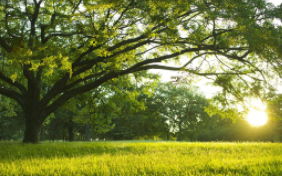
x,y
140,158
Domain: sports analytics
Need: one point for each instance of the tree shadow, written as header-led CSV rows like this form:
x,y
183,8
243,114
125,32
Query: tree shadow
x,y
12,151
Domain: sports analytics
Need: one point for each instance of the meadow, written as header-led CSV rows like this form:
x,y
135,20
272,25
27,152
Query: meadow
x,y
140,158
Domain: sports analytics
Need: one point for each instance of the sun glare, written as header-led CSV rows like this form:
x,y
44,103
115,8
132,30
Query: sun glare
x,y
257,118
257,115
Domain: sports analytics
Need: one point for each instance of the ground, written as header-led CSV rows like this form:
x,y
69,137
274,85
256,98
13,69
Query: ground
x,y
140,158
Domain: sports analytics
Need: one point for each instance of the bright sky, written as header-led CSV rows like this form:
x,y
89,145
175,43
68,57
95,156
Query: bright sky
x,y
208,90
275,2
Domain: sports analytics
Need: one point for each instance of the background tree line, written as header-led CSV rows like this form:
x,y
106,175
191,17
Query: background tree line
x,y
172,111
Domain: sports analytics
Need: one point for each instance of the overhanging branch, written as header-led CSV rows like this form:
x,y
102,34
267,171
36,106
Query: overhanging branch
x,y
13,83
12,94
71,85
162,67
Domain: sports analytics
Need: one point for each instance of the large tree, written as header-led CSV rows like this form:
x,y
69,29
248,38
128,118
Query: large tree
x,y
76,46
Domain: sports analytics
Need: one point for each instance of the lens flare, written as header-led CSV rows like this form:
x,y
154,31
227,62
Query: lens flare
x,y
257,118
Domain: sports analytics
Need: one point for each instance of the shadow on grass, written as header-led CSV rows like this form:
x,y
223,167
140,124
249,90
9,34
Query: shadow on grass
x,y
11,151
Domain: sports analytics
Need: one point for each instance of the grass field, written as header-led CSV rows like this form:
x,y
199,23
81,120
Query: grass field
x,y
140,158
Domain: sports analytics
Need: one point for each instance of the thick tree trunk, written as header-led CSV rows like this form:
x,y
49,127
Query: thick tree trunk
x,y
32,130
33,123
87,132
179,132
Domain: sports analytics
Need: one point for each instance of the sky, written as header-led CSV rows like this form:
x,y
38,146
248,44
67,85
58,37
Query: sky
x,y
208,90
275,2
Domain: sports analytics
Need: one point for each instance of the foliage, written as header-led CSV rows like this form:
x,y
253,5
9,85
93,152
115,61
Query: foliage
x,y
274,106
110,100
143,124
54,50
11,120
181,105
241,130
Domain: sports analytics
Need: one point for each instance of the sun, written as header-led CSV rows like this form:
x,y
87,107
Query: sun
x,y
257,118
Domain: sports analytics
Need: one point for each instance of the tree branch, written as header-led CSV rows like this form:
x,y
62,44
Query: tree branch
x,y
5,45
83,79
122,13
13,83
12,94
162,67
60,35
73,92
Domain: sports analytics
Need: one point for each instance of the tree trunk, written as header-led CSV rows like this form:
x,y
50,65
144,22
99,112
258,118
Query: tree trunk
x,y
33,123
179,132
53,129
71,135
42,133
167,135
19,134
87,132
32,130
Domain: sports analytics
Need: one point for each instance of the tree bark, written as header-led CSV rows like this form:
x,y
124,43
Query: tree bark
x,y
33,123
32,130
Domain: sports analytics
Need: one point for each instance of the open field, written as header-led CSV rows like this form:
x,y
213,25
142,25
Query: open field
x,y
140,158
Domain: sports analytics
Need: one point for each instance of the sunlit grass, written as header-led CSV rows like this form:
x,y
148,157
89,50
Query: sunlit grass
x,y
140,158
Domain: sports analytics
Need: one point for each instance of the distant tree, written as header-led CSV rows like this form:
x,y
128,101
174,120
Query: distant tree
x,y
181,105
274,107
241,130
274,112
74,47
145,123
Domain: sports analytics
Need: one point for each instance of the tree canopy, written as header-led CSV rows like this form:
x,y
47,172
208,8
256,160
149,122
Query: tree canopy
x,y
54,50
181,105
